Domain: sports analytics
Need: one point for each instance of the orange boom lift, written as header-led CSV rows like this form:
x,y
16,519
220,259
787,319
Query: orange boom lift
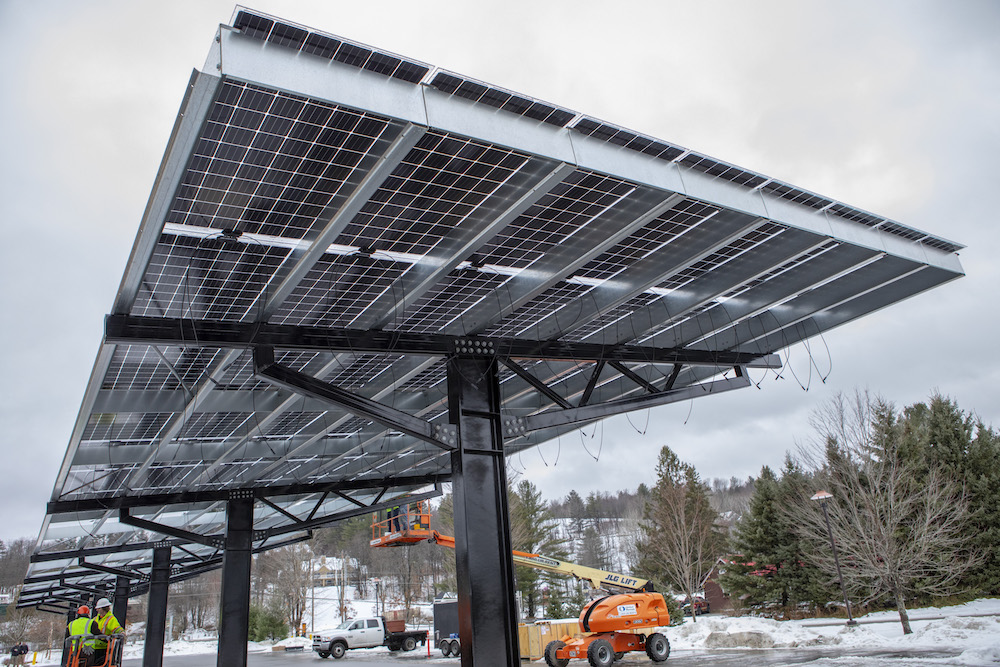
x,y
610,625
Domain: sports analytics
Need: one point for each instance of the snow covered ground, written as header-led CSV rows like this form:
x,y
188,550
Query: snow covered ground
x,y
970,631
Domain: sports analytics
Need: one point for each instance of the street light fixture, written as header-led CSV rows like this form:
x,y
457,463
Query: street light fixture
x,y
822,497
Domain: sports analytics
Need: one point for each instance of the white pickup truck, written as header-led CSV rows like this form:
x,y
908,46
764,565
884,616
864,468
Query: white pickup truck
x,y
365,633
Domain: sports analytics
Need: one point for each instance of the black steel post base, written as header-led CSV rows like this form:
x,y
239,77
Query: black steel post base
x,y
485,569
120,609
156,613
235,612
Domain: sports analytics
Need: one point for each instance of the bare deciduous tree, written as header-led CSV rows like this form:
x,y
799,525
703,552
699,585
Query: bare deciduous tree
x,y
898,533
683,540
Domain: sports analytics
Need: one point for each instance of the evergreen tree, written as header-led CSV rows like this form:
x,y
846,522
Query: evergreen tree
x,y
682,541
802,580
266,622
592,551
577,514
753,576
942,438
983,489
770,568
533,531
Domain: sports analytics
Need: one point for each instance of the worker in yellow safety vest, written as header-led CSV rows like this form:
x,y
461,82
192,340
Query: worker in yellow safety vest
x,y
81,626
104,623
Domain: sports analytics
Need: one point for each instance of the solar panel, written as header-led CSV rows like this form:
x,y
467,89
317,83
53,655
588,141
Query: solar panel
x,y
288,35
498,98
362,232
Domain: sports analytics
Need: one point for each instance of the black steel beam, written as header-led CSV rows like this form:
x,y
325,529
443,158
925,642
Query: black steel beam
x,y
95,551
184,497
118,572
484,566
274,531
156,612
281,376
184,332
180,533
123,587
536,383
235,613
281,510
589,413
62,611
59,576
592,383
673,377
627,372
100,592
352,500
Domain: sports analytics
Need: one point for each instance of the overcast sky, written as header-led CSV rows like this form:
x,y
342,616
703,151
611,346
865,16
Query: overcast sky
x,y
893,107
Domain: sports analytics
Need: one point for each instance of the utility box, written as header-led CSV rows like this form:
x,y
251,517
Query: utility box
x,y
445,620
534,637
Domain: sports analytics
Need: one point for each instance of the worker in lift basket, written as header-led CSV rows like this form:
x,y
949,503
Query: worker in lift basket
x,y
81,626
104,623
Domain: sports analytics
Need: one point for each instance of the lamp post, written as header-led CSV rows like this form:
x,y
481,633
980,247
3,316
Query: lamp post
x,y
822,497
378,582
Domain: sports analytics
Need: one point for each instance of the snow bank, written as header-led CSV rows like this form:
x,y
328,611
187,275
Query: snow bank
x,y
977,637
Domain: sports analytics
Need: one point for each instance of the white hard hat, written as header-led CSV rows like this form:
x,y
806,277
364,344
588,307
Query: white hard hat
x,y
103,602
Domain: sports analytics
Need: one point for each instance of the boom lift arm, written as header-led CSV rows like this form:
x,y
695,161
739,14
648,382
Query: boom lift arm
x,y
409,527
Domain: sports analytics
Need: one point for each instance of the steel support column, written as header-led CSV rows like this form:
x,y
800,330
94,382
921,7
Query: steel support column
x,y
120,608
156,612
70,617
235,616
486,609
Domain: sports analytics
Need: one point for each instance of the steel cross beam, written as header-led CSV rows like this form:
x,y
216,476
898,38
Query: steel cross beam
x,y
241,335
182,497
118,572
215,541
440,435
551,418
218,541
91,551
98,592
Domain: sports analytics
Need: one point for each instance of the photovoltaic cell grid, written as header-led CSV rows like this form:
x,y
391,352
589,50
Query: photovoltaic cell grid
x,y
338,289
568,207
550,301
270,162
454,295
270,171
439,184
678,220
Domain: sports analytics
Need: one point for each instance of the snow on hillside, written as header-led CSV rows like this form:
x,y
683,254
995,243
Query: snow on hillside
x,y
327,602
616,540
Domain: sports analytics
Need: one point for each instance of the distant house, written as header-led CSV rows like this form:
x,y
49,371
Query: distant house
x,y
329,570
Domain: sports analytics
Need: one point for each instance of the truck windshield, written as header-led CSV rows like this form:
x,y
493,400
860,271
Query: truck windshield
x,y
345,625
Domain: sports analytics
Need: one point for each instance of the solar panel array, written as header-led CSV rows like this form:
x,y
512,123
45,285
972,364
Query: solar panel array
x,y
282,207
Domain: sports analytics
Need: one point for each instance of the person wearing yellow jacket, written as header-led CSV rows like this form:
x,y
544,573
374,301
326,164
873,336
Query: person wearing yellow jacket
x,y
104,623
81,626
